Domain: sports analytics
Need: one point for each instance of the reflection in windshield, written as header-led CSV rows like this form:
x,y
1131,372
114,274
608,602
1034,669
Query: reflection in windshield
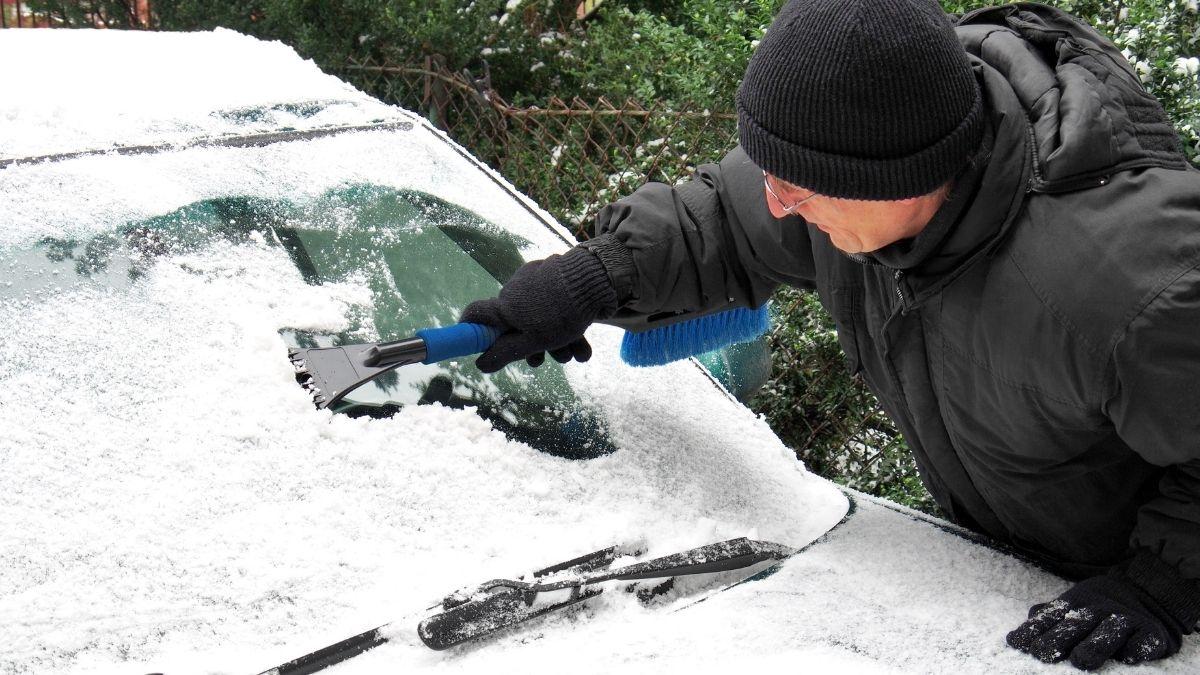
x,y
423,260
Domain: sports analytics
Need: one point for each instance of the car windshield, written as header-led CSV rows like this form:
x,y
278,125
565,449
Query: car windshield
x,y
421,258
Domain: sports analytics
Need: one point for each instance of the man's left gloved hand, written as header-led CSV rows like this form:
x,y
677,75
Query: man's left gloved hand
x,y
1136,613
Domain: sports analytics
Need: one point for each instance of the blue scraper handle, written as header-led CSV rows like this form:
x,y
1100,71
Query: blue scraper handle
x,y
461,339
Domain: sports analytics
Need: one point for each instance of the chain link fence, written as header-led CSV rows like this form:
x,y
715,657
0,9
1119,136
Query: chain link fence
x,y
571,156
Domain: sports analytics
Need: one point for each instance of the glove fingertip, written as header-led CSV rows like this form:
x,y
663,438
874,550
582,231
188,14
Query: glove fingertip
x,y
1089,656
582,350
1141,647
1022,636
488,365
493,360
1054,610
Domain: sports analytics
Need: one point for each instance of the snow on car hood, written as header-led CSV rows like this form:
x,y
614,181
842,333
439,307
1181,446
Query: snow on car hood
x,y
172,499
94,89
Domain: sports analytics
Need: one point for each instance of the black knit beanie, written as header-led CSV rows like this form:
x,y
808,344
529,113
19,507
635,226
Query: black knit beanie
x,y
860,99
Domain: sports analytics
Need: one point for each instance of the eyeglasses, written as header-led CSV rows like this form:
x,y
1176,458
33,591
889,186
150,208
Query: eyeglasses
x,y
785,186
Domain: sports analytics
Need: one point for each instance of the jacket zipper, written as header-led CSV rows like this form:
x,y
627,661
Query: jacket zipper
x,y
898,275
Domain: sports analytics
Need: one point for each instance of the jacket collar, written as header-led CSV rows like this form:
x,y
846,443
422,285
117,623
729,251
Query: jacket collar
x,y
983,204
927,250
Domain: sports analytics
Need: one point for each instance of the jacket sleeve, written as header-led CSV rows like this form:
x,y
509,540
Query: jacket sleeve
x,y
704,245
1156,410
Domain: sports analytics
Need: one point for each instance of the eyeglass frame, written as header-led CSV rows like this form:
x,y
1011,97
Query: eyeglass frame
x,y
786,209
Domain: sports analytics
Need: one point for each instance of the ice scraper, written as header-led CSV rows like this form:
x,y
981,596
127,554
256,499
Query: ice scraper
x,y
329,373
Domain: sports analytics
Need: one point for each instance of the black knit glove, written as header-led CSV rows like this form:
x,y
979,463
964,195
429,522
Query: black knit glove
x,y
1136,613
545,306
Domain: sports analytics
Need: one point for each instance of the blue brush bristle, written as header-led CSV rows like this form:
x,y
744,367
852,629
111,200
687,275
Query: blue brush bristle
x,y
697,336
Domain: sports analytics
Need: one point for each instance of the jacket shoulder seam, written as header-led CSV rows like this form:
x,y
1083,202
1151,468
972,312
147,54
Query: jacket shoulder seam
x,y
1164,282
1060,317
1161,284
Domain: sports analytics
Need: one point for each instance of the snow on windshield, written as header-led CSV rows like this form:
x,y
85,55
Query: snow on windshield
x,y
171,497
93,89
172,501
89,195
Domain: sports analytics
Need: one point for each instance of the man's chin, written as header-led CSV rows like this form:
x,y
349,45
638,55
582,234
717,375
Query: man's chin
x,y
846,247
839,242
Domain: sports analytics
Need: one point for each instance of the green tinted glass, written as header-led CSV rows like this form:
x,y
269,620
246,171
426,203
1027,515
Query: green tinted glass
x,y
423,260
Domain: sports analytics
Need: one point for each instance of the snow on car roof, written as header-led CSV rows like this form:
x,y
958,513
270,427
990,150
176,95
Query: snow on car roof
x,y
91,89
172,500
190,87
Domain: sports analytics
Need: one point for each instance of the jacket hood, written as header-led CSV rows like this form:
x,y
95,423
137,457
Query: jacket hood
x,y
1066,113
1088,113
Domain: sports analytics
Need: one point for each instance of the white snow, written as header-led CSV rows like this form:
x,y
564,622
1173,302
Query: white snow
x,y
882,593
89,195
68,91
172,502
171,498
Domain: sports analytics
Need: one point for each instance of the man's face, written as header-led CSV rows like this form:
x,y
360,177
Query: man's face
x,y
853,225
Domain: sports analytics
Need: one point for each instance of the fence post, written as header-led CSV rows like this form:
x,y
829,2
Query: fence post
x,y
435,97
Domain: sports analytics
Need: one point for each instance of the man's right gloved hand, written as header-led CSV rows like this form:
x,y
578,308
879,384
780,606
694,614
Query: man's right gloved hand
x,y
1135,613
545,306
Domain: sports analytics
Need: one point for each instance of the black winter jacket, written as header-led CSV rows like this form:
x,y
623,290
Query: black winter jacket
x,y
1042,356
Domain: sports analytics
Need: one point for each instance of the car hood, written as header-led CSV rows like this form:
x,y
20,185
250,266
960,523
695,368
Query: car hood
x,y
172,498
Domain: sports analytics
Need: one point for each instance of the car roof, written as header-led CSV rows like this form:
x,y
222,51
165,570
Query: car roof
x,y
84,90
214,92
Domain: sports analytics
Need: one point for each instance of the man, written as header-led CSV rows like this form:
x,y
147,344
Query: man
x,y
1002,225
